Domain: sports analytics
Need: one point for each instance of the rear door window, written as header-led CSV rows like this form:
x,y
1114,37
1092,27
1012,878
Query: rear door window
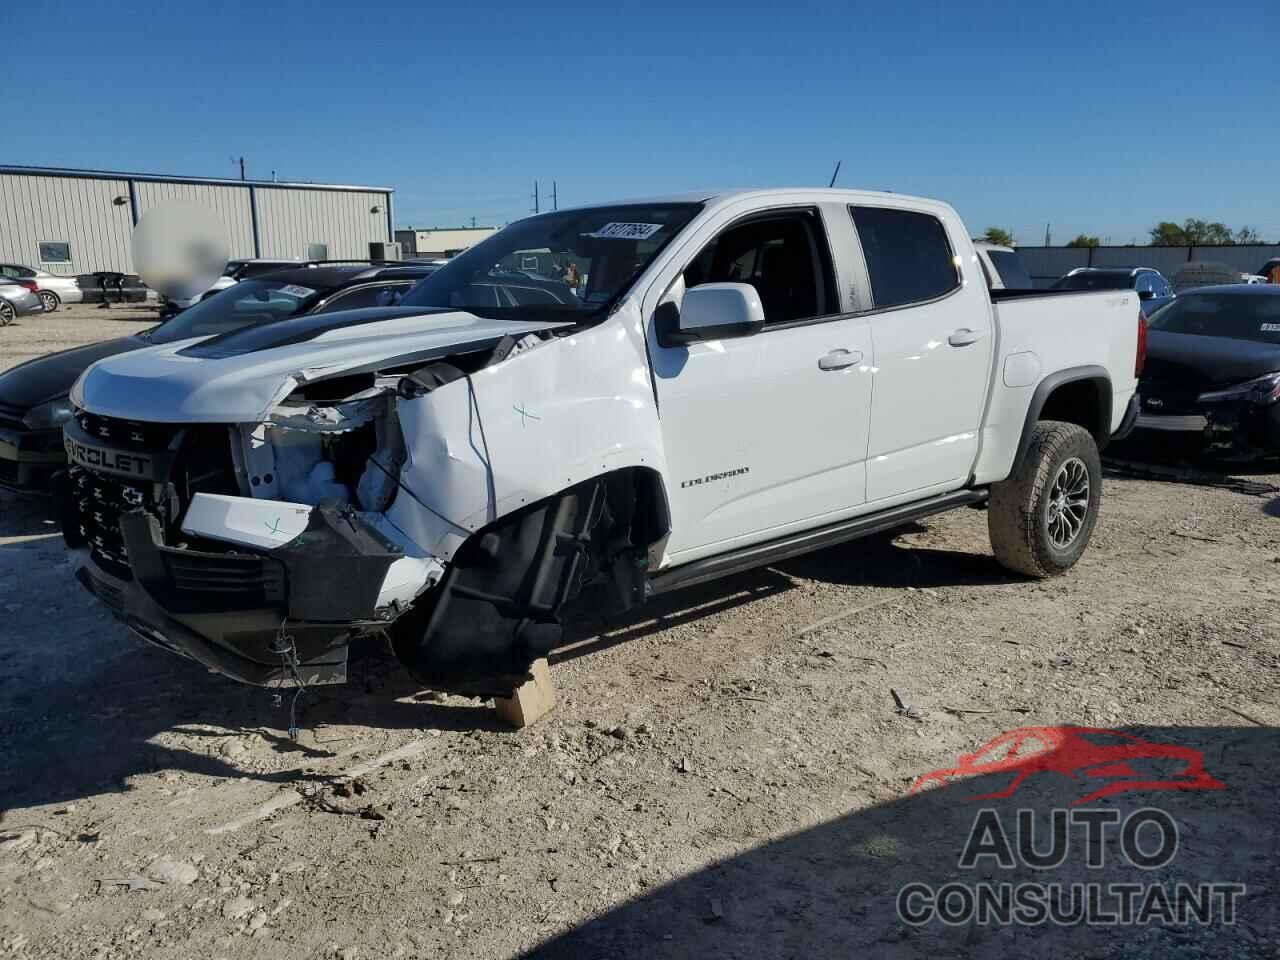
x,y
908,255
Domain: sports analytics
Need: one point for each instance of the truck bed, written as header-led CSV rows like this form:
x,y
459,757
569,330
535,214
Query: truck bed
x,y
1054,330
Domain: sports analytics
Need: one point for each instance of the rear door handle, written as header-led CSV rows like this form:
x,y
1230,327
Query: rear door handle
x,y
963,337
839,359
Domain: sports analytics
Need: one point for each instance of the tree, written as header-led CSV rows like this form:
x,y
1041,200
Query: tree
x,y
1168,234
1084,240
998,236
1192,232
1247,235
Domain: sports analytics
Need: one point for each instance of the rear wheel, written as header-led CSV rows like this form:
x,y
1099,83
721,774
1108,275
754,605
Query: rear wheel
x,y
7,313
1041,518
50,300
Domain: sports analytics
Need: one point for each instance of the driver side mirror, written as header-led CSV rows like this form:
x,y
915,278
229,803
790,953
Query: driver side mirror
x,y
1146,294
710,311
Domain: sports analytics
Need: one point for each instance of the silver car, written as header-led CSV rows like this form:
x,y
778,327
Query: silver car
x,y
54,291
16,301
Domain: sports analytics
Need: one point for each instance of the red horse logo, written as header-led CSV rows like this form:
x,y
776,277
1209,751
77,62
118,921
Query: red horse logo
x,y
1080,754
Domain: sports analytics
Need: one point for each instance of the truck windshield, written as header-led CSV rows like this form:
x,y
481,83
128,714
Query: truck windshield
x,y
564,265
1237,316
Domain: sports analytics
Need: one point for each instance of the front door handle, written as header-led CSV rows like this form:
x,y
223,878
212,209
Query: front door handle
x,y
963,337
839,359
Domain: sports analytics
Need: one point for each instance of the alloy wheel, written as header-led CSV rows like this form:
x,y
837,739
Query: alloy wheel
x,y
1068,503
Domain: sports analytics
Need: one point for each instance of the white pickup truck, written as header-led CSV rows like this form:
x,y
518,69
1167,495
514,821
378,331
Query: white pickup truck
x,y
719,382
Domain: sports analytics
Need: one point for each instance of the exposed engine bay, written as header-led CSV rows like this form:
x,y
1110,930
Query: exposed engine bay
x,y
264,549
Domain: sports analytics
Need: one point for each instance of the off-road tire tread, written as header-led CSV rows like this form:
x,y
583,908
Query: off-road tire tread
x,y
1019,541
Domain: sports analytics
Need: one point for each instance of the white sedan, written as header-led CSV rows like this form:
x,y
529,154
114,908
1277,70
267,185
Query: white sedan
x,y
52,290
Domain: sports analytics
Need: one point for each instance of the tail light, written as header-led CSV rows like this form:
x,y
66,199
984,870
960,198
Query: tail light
x,y
1140,360
30,285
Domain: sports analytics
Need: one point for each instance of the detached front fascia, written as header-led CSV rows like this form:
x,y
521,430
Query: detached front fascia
x,y
331,512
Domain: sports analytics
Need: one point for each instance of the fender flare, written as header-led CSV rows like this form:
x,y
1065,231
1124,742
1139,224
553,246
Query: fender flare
x,y
1101,428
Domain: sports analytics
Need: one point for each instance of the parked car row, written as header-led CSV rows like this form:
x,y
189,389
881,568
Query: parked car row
x,y
1154,291
33,395
1211,383
54,291
18,299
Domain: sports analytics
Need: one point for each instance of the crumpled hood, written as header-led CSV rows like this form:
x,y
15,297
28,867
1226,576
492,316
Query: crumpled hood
x,y
217,381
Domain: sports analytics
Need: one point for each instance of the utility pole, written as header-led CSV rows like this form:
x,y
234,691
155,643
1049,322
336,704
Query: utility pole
x,y
242,168
1048,237
535,196
555,199
473,223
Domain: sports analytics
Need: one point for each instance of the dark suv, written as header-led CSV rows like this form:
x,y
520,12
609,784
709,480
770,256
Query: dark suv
x,y
1154,291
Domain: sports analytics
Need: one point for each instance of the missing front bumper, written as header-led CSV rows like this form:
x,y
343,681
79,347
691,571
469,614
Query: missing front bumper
x,y
235,644
335,581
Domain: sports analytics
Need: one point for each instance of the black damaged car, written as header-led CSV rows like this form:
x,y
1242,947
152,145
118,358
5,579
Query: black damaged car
x,y
33,395
1211,384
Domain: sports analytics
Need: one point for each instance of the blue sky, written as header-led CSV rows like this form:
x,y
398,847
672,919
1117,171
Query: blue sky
x,y
1097,117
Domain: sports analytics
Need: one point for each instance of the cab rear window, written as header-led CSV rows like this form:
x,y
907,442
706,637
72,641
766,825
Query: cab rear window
x,y
908,255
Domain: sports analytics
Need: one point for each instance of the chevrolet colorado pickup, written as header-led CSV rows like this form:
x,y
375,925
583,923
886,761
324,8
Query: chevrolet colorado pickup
x,y
639,396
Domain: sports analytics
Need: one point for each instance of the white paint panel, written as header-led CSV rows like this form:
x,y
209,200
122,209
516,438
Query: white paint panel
x,y
243,520
1089,329
933,367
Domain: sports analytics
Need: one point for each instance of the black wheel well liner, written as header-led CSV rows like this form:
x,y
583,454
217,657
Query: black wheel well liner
x,y
1079,395
652,493
497,608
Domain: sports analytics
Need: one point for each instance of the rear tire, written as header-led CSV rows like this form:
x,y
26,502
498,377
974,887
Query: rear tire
x,y
1041,518
50,300
7,313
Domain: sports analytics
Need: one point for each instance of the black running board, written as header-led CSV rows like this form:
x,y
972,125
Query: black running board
x,y
792,545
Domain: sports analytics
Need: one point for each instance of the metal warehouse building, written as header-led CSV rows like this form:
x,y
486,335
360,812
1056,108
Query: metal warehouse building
x,y
72,222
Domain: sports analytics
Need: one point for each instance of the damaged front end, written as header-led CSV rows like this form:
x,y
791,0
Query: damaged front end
x,y
218,542
263,550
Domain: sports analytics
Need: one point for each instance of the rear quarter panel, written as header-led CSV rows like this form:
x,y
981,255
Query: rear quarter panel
x,y
1037,337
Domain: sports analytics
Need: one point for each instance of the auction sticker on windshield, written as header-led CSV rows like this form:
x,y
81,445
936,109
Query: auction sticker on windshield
x,y
627,231
294,290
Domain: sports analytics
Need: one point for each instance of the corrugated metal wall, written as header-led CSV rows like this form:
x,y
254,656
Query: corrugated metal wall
x,y
231,204
76,211
290,220
1046,264
80,211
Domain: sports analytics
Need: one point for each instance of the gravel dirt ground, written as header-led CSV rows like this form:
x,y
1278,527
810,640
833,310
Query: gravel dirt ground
x,y
728,773
69,326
